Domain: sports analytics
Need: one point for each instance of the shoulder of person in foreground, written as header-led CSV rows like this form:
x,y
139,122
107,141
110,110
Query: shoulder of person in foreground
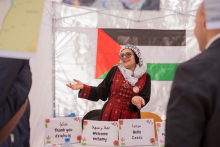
x,y
196,76
192,99
198,66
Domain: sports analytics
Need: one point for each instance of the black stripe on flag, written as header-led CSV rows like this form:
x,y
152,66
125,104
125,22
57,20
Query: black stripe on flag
x,y
144,37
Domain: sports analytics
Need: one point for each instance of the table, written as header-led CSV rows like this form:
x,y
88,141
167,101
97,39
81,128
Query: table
x,y
80,145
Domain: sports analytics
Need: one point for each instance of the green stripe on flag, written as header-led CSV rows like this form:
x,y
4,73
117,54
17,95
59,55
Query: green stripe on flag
x,y
162,71
104,75
158,71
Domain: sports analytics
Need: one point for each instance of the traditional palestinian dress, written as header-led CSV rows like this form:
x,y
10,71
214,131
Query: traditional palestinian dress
x,y
118,93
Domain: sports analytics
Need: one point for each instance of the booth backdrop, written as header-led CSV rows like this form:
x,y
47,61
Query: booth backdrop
x,y
67,49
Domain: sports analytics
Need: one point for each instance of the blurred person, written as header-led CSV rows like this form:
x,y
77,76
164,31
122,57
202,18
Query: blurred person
x,y
15,84
127,4
194,105
140,4
126,87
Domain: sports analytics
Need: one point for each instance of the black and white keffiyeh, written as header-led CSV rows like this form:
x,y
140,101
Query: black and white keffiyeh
x,y
140,69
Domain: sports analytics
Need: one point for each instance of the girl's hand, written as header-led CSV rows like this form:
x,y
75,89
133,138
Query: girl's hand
x,y
138,101
77,86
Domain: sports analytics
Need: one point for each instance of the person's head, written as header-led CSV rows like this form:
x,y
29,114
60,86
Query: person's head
x,y
202,34
128,56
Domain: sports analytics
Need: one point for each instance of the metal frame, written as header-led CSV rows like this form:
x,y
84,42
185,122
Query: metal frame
x,y
53,58
101,12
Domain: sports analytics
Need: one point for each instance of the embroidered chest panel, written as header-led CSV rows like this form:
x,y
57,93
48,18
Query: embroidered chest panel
x,y
121,95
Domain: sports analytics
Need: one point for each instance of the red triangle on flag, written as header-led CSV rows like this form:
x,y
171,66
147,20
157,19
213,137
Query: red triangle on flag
x,y
107,53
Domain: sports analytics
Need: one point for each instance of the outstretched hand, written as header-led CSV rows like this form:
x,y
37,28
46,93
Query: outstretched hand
x,y
138,101
77,86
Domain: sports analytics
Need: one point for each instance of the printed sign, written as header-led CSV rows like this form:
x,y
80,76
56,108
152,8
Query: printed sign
x,y
57,129
19,37
100,133
53,145
160,126
136,132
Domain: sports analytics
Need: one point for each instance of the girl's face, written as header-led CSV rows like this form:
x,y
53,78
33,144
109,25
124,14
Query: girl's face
x,y
128,59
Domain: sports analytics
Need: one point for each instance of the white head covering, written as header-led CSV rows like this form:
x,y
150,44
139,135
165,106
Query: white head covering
x,y
140,69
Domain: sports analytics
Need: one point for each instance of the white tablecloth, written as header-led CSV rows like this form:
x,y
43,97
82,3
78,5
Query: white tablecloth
x,y
80,145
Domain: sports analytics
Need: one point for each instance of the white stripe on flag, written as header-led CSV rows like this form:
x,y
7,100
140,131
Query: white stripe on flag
x,y
163,54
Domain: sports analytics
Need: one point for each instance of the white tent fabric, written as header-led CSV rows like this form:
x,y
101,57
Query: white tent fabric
x,y
41,94
75,56
76,39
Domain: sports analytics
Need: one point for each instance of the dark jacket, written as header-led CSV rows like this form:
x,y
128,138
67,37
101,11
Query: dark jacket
x,y
193,112
15,84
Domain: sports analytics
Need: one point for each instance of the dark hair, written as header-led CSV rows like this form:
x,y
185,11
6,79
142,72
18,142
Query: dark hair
x,y
136,57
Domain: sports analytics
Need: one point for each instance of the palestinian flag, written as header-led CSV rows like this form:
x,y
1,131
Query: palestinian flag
x,y
163,50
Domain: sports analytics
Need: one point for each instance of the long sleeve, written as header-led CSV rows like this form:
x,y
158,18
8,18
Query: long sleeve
x,y
102,91
187,108
145,94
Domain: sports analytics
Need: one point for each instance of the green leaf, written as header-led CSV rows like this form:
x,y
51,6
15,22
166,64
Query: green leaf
x,y
48,142
158,130
116,145
46,125
83,143
119,127
153,143
122,143
162,145
83,127
79,141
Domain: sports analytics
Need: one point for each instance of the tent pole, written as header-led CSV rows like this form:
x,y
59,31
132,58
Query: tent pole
x,y
185,13
47,10
176,12
167,15
139,16
118,16
79,14
53,59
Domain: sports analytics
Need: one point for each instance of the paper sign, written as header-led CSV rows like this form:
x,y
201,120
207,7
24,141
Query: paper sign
x,y
59,128
53,145
100,133
136,132
160,127
19,37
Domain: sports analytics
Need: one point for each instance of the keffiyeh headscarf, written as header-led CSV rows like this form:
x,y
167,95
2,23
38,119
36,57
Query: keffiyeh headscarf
x,y
140,69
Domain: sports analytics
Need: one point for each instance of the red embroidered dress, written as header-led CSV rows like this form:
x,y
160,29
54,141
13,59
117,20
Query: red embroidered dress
x,y
119,104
